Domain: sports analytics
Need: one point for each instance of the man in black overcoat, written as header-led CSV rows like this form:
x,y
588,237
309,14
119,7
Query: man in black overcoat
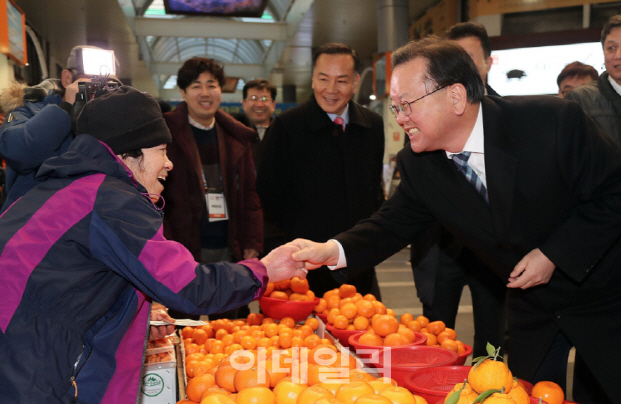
x,y
317,177
543,212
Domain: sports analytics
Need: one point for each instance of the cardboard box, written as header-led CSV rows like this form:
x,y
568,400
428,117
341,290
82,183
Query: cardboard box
x,y
158,383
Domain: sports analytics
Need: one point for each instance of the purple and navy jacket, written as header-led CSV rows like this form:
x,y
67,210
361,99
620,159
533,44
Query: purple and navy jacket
x,y
82,255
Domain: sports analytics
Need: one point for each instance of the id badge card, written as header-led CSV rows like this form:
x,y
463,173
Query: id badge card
x,y
216,207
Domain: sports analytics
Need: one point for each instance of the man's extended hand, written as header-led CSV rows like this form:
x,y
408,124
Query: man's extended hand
x,y
534,269
280,266
314,255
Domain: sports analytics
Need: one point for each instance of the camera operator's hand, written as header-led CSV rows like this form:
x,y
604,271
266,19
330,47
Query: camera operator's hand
x,y
72,89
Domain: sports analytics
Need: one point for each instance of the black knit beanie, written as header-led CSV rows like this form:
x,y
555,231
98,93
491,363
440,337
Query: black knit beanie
x,y
125,119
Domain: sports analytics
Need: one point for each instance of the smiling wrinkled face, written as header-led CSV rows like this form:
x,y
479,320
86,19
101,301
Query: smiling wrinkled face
x,y
426,126
203,97
612,54
334,82
151,169
259,112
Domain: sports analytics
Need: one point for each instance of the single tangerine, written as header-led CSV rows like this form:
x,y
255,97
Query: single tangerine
x,y
277,294
287,392
256,395
341,322
313,393
216,398
225,376
197,385
371,339
349,310
407,333
423,321
490,374
349,392
256,376
372,399
299,285
312,322
550,392
365,308
398,395
384,325
361,323
288,321
346,290
436,327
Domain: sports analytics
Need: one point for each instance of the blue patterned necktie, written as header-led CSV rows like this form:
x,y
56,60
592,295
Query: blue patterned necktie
x,y
461,161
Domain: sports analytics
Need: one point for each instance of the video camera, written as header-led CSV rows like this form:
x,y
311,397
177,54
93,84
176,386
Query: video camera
x,y
100,66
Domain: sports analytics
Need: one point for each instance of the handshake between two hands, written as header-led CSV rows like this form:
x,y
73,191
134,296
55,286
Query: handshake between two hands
x,y
285,262
297,257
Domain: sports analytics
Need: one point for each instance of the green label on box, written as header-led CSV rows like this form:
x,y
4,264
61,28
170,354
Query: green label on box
x,y
152,384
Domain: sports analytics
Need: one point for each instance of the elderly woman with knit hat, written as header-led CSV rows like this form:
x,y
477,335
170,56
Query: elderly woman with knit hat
x,y
82,256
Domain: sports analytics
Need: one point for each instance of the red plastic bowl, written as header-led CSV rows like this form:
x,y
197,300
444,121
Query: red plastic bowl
x,y
360,348
342,335
434,383
406,359
278,309
323,317
461,360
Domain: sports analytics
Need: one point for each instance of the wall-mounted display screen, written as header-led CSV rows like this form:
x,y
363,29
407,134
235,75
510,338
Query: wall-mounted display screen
x,y
533,71
221,8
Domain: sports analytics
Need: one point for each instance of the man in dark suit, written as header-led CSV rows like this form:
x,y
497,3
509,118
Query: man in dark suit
x,y
259,104
441,264
321,170
538,199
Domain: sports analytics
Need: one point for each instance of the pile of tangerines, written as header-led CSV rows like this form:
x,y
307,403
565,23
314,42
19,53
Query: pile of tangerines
x,y
348,310
491,382
260,361
294,289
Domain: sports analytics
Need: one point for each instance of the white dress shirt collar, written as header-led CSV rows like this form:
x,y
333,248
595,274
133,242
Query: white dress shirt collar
x,y
475,143
344,115
615,85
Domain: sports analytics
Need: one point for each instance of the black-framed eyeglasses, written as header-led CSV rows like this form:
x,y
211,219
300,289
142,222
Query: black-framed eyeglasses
x,y
406,107
262,98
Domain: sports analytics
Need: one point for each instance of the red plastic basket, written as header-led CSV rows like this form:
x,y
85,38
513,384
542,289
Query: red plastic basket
x,y
278,309
404,360
360,348
323,317
461,360
342,335
434,383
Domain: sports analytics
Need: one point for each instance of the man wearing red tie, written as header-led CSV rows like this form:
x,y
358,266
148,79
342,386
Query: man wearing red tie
x,y
321,169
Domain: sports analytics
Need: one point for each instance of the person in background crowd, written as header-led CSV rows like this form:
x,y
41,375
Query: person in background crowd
x,y
259,104
83,255
321,169
601,100
473,37
441,264
544,214
212,207
37,127
574,75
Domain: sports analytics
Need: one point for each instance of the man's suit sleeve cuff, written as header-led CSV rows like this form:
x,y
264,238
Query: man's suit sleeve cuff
x,y
342,262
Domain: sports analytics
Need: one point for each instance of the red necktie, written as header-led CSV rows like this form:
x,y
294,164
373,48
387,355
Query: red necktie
x,y
339,121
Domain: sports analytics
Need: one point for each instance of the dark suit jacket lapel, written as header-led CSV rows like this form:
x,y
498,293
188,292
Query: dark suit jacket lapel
x,y
500,168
